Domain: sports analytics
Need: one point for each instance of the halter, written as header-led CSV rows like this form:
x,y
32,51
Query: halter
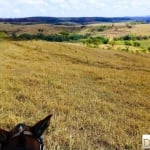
x,y
22,131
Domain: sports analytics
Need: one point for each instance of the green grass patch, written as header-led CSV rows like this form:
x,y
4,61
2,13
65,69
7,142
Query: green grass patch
x,y
95,41
3,35
145,44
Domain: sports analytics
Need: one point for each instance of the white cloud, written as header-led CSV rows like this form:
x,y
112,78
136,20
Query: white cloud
x,y
74,7
58,1
31,1
17,11
5,4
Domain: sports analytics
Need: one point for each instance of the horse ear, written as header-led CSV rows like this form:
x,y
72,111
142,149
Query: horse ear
x,y
3,135
41,126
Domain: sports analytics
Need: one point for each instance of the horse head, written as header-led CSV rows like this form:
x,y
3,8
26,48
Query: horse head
x,y
24,137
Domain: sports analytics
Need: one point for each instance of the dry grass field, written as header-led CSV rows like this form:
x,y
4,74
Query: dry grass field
x,y
38,28
99,98
118,29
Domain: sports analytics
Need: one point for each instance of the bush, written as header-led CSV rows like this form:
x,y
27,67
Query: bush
x,y
14,36
3,35
128,25
64,36
75,37
24,37
126,49
40,30
95,41
128,37
112,43
105,41
103,28
133,37
129,43
136,44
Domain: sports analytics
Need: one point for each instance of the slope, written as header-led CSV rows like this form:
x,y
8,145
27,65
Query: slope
x,y
98,98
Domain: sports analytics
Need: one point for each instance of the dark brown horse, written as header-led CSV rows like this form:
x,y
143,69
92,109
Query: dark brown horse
x,y
24,137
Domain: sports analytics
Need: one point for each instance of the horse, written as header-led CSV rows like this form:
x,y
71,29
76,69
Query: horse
x,y
24,137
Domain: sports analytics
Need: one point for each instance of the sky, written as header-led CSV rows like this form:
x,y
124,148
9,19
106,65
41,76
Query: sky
x,y
74,8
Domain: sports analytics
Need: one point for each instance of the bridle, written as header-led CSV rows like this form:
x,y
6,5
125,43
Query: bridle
x,y
21,131
23,136
39,140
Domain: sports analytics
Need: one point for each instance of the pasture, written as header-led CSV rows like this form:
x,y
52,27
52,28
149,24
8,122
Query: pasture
x,y
114,30
99,98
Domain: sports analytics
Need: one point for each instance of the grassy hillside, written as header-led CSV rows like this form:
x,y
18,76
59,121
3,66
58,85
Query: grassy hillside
x,y
72,20
38,28
99,98
117,29
113,30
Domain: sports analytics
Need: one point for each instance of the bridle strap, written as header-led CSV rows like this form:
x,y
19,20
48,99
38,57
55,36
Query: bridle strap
x,y
40,141
23,132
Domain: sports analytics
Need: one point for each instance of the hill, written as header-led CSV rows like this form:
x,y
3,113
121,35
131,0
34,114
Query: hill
x,y
110,30
127,36
99,98
72,20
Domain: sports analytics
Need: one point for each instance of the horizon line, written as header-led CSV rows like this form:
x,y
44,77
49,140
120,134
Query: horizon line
x,y
74,17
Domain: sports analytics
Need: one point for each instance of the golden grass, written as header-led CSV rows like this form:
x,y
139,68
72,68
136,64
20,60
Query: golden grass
x,y
118,29
122,29
99,98
38,28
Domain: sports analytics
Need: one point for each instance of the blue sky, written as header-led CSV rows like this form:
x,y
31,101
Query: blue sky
x,y
74,8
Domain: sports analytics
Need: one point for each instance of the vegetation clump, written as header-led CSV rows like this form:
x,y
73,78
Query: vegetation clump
x,y
3,35
53,37
133,37
104,27
95,41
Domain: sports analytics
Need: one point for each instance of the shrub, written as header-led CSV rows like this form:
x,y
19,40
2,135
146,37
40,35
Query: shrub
x,y
95,41
133,37
136,44
40,30
3,35
129,43
105,41
128,37
112,43
75,37
25,37
103,28
64,36
64,33
128,25
14,36
126,49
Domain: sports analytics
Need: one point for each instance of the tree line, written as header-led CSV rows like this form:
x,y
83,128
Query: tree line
x,y
53,37
62,37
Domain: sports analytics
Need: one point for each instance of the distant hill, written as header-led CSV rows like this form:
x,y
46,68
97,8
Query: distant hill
x,y
72,20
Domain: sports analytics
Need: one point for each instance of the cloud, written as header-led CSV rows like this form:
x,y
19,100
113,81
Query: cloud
x,y
74,8
17,11
58,1
33,2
